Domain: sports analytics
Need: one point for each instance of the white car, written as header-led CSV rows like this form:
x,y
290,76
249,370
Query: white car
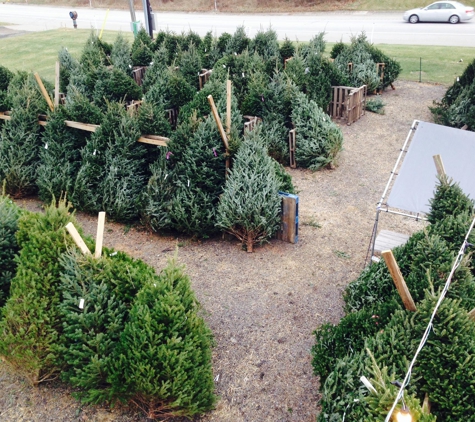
x,y
440,11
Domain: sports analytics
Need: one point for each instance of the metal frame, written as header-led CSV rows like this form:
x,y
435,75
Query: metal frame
x,y
382,206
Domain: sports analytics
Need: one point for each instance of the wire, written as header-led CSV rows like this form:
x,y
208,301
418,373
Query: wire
x,y
423,341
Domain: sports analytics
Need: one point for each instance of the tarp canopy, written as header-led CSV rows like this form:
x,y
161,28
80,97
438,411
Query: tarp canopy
x,y
417,178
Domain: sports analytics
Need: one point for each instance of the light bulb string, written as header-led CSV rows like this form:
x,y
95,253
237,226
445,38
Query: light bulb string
x,y
427,331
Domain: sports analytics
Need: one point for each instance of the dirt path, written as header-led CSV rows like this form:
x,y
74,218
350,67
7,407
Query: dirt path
x,y
263,307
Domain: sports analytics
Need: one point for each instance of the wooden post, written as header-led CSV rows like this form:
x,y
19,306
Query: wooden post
x,y
77,239
471,314
439,165
228,107
218,122
426,405
399,280
56,87
100,234
44,92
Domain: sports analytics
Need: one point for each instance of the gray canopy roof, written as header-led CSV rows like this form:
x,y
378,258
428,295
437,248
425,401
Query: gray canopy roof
x,y
416,181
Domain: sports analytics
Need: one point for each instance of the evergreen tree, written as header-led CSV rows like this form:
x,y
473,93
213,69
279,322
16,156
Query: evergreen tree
x,y
238,42
121,55
91,62
115,85
190,65
31,323
112,173
20,138
164,360
5,77
9,215
287,49
142,49
319,140
67,64
250,205
96,297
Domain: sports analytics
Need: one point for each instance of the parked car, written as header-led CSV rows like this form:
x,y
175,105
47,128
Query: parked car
x,y
440,11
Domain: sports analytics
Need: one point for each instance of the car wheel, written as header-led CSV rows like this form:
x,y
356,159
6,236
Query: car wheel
x,y
415,19
454,19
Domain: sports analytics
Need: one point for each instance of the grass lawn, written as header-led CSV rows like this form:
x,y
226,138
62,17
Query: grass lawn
x,y
38,52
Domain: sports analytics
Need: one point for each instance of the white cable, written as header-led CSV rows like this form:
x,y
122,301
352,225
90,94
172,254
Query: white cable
x,y
457,262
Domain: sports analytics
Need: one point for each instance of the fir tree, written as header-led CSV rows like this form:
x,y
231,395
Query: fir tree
x,y
121,55
319,140
20,139
250,205
31,323
5,77
67,64
238,42
115,85
9,215
91,62
96,297
142,49
287,49
190,65
164,360
112,173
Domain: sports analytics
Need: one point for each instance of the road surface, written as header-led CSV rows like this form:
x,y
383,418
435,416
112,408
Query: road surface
x,y
380,28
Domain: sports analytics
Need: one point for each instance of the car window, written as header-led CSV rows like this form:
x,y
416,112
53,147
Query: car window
x,y
434,6
447,6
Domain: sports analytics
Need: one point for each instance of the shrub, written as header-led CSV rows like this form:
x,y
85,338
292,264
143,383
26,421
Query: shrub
x,y
121,55
287,49
67,64
32,323
164,360
9,215
142,49
115,85
238,42
319,140
250,206
375,105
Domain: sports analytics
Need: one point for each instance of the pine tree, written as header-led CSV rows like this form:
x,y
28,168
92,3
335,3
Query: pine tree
x,y
96,297
20,138
67,64
142,49
31,323
121,55
91,62
164,360
250,205
5,77
190,65
287,49
9,215
319,140
113,172
238,42
115,85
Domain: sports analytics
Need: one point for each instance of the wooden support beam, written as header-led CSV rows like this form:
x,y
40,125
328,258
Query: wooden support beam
x,y
471,314
56,86
154,140
399,280
100,234
228,107
439,165
82,126
77,239
43,91
218,122
4,116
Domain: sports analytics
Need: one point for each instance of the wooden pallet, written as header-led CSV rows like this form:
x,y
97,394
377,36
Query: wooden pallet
x,y
387,240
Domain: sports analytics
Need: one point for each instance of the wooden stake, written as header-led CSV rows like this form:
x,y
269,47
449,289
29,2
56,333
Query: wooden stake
x,y
56,86
77,239
426,405
218,122
100,234
154,140
471,314
439,165
398,280
43,91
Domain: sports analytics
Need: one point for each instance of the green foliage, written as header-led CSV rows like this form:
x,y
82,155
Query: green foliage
x,y
319,140
91,61
238,42
121,55
457,106
287,49
266,44
392,68
223,41
91,333
67,64
31,323
19,138
449,199
5,77
59,158
315,46
250,206
115,85
142,49
9,215
375,105
112,174
337,49
164,359
253,102
152,121
284,179
190,65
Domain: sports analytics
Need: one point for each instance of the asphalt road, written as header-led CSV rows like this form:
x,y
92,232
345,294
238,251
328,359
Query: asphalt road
x,y
380,28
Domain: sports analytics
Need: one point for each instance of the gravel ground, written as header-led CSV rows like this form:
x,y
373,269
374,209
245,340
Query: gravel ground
x,y
263,307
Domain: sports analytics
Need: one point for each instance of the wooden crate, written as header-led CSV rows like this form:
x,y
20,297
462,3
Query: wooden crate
x,y
289,228
348,103
204,76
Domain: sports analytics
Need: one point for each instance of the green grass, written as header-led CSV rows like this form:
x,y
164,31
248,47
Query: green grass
x,y
38,52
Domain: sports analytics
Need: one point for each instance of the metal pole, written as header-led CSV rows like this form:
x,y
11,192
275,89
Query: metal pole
x,y
150,23
132,10
146,13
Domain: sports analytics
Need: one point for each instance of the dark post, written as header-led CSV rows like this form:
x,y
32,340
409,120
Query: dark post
x,y
149,17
